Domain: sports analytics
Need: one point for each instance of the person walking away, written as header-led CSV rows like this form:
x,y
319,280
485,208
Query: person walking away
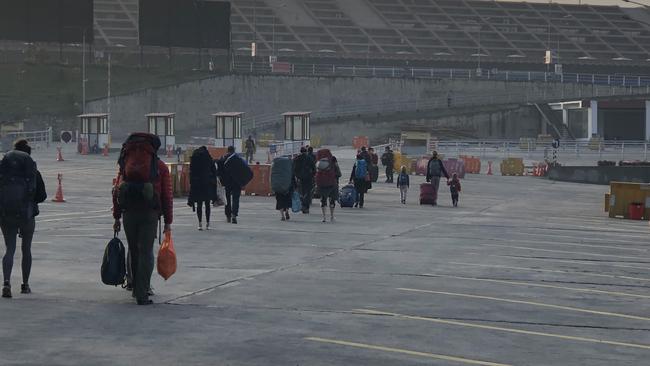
x,y
454,187
304,171
403,183
361,179
143,195
282,185
21,190
250,149
435,170
327,175
374,168
388,160
203,184
368,158
235,175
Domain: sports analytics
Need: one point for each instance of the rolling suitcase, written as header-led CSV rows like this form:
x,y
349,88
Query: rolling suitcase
x,y
428,195
348,196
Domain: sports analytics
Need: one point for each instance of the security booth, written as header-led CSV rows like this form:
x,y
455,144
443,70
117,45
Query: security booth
x,y
415,143
94,132
228,129
296,131
162,125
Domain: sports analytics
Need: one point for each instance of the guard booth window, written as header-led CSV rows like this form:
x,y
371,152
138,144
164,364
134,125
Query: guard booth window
x,y
84,126
170,126
152,125
160,126
229,130
93,125
238,127
103,126
297,128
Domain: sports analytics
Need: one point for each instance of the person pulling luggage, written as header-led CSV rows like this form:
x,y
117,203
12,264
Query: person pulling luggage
x,y
435,170
21,190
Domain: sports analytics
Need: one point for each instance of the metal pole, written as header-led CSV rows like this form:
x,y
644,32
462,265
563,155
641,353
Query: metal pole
x,y
108,99
83,71
645,151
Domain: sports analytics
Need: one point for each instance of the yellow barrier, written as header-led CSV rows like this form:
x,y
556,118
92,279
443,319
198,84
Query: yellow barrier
x,y
622,194
512,166
180,175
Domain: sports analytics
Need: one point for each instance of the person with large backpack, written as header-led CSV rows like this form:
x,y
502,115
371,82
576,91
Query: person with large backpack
x,y
142,195
234,174
388,160
21,190
282,185
361,178
203,184
327,176
304,171
435,170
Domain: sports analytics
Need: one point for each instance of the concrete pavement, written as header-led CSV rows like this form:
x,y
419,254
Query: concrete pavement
x,y
525,272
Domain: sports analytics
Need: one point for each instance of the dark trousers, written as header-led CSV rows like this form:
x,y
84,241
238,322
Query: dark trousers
x,y
389,174
199,211
454,198
232,201
140,229
10,232
435,181
249,156
306,192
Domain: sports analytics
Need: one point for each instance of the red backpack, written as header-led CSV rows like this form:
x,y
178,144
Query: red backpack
x,y
325,170
139,169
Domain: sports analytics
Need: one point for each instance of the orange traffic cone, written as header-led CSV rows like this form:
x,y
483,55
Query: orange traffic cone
x,y
84,148
59,191
59,156
489,172
169,151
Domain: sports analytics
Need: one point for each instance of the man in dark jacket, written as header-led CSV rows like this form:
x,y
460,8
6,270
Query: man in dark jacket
x,y
250,149
304,171
13,165
234,174
435,170
388,160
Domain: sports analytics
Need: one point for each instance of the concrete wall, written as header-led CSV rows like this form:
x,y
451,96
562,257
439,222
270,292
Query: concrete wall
x,y
600,174
510,121
194,102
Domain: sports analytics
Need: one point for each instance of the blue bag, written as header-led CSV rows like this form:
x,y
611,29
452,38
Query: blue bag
x,y
296,204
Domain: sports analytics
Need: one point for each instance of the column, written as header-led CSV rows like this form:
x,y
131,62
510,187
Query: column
x,y
647,120
592,119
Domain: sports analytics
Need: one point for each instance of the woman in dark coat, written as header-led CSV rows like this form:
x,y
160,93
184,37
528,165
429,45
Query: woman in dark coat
x,y
203,184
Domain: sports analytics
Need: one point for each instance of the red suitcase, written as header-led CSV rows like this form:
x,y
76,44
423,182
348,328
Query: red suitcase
x,y
428,195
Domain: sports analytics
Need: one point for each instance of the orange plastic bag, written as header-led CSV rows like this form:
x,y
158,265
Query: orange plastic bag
x,y
167,257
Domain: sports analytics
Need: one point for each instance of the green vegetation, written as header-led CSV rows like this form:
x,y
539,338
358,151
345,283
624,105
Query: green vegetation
x,y
54,90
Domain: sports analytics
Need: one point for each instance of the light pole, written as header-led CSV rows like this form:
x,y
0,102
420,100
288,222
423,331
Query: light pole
x,y
280,6
83,65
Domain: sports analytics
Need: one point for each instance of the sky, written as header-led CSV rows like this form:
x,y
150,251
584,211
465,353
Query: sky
x,y
593,2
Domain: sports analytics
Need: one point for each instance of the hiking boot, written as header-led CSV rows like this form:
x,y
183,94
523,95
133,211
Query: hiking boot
x,y
228,219
287,214
24,289
200,227
233,220
207,226
6,291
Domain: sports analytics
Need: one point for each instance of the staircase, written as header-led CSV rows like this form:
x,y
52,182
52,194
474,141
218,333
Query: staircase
x,y
558,128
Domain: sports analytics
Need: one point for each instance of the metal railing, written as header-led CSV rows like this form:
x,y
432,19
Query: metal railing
x,y
37,139
438,73
569,152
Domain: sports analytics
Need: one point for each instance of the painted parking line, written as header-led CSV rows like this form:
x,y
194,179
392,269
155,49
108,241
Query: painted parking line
x,y
581,262
404,351
47,216
528,269
516,283
503,329
539,304
566,252
77,218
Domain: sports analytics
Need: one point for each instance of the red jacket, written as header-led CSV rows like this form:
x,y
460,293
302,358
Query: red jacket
x,y
162,186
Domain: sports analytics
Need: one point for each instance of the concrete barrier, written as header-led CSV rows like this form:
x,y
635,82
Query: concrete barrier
x,y
599,174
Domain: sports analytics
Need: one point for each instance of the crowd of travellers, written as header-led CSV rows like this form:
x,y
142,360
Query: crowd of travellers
x,y
143,200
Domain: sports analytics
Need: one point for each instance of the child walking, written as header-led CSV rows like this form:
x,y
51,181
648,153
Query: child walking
x,y
454,187
403,184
